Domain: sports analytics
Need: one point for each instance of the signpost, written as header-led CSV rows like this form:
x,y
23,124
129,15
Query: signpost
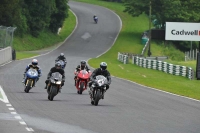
x,y
182,31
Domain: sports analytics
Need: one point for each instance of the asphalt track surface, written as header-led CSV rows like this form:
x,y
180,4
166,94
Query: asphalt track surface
x,y
127,107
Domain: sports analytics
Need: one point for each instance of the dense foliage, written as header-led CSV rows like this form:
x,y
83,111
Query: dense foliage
x,y
167,11
33,16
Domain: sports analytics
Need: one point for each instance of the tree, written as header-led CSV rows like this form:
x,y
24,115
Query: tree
x,y
11,15
166,10
38,14
59,15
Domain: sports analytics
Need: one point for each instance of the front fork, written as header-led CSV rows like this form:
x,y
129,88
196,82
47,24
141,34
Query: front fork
x,y
27,80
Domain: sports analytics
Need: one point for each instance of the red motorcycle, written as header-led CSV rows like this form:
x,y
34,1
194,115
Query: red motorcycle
x,y
82,80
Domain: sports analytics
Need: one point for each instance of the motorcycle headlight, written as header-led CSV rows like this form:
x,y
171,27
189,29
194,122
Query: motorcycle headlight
x,y
58,82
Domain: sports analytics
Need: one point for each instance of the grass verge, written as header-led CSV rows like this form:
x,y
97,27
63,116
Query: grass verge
x,y
129,40
46,39
22,55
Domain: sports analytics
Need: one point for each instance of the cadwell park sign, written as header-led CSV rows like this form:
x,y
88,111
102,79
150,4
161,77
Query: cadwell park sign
x,y
181,31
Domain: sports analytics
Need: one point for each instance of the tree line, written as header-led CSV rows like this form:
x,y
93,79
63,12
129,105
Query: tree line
x,y
165,10
33,16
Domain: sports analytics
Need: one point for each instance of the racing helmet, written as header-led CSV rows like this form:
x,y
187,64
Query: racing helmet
x,y
58,65
34,62
83,63
62,54
103,66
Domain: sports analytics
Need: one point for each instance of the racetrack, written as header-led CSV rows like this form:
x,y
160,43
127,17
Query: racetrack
x,y
127,107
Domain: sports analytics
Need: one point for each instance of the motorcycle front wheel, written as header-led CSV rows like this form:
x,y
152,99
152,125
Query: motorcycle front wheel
x,y
28,87
53,93
97,97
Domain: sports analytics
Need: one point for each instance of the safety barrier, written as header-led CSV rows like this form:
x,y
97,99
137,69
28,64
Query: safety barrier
x,y
165,67
5,55
158,65
123,58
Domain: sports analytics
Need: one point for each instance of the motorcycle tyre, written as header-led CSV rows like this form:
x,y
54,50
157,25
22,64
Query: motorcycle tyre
x,y
28,87
81,88
53,93
97,97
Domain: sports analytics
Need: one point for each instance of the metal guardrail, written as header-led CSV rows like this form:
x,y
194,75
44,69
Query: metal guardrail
x,y
159,65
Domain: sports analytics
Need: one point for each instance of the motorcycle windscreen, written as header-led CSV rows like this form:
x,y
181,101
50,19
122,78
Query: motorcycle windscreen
x,y
56,76
32,73
101,80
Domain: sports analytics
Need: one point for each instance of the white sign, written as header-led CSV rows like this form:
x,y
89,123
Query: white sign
x,y
182,31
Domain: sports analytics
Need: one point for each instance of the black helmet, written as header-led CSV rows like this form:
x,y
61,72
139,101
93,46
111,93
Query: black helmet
x,y
62,54
103,65
58,65
83,63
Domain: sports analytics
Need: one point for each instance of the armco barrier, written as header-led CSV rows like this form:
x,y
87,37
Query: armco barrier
x,y
164,66
5,55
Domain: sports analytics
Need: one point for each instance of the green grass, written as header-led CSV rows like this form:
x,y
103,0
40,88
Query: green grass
x,y
46,39
22,55
129,40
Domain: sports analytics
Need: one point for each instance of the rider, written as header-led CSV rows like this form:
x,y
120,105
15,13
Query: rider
x,y
61,57
95,17
57,68
100,71
82,66
34,65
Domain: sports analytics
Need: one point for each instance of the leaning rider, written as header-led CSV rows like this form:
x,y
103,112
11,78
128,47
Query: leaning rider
x,y
34,65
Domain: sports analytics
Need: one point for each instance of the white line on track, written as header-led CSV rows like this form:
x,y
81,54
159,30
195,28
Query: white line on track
x,y
13,113
8,105
16,116
11,108
22,122
29,129
4,97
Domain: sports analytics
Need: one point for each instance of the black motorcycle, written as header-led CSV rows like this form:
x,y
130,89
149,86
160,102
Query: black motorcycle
x,y
99,88
54,85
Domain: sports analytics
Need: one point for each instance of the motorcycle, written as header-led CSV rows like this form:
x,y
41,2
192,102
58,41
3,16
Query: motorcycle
x,y
31,77
82,80
96,20
63,63
99,88
54,85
